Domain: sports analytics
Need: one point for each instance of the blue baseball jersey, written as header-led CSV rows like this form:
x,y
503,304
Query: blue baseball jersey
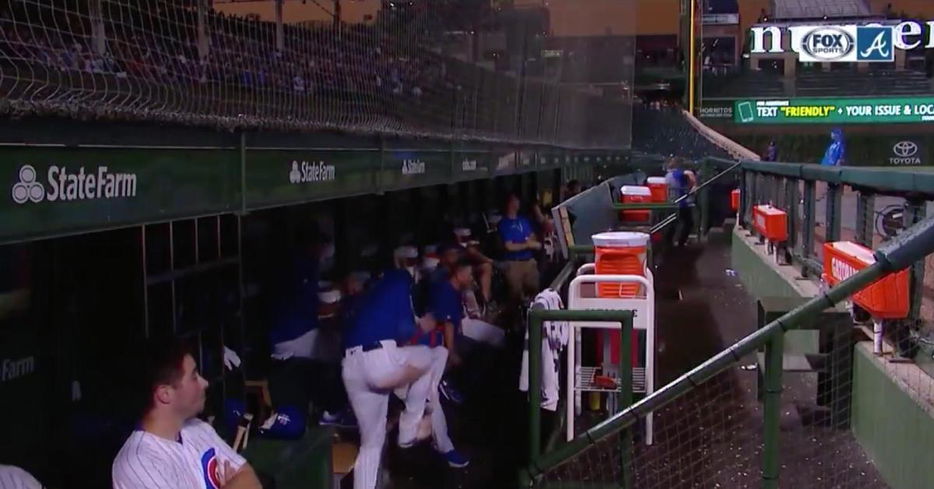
x,y
384,312
297,307
516,230
444,302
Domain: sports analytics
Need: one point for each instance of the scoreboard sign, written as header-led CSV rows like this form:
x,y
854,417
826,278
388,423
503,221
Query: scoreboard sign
x,y
835,111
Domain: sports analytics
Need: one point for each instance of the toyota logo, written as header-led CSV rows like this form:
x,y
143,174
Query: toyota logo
x,y
905,149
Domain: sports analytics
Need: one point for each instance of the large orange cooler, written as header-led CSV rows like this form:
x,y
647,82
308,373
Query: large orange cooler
x,y
659,188
620,253
771,222
634,194
734,200
884,299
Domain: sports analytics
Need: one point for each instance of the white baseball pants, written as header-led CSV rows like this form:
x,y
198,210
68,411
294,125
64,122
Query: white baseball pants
x,y
369,378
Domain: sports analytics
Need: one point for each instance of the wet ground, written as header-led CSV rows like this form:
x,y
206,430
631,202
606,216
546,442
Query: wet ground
x,y
707,439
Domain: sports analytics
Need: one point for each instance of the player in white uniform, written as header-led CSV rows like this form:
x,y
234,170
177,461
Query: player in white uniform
x,y
171,448
16,478
375,364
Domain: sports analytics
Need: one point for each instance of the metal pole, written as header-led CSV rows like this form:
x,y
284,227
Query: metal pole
x,y
907,248
809,219
537,317
834,203
772,399
625,399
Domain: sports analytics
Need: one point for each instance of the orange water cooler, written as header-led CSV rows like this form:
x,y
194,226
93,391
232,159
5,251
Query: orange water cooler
x,y
620,253
659,189
885,299
771,223
634,194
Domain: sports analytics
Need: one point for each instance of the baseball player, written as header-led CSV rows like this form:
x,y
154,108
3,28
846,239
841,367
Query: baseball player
x,y
12,477
376,364
171,448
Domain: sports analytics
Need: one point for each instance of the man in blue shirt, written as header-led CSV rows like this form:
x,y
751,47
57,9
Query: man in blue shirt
x,y
836,152
521,244
680,183
375,364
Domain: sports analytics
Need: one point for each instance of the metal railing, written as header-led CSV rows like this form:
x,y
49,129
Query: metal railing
x,y
900,252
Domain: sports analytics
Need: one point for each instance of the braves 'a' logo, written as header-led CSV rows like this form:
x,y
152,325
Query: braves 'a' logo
x,y
209,469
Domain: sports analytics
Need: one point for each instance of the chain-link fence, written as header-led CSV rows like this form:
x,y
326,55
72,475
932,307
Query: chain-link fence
x,y
447,68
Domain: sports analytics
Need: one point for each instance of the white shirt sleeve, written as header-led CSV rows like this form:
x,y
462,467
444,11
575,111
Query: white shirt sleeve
x,y
16,478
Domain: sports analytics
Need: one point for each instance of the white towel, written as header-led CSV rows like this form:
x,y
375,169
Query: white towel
x,y
555,336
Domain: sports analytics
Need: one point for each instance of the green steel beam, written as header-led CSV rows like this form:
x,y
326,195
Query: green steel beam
x,y
772,411
537,317
914,213
865,213
907,248
648,206
834,212
810,219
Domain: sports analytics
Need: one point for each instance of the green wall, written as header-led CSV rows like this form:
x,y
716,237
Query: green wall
x,y
896,433
762,279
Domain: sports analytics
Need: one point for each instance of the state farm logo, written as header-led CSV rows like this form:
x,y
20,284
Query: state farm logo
x,y
828,43
62,184
305,172
905,153
28,189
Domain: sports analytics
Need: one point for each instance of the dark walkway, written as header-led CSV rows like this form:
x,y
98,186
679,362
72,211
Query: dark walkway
x,y
709,438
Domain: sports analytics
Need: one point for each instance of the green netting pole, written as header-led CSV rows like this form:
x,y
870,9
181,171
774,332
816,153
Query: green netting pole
x,y
772,399
537,317
625,399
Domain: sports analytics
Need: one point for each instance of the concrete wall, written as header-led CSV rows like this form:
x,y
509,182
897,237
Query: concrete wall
x,y
894,430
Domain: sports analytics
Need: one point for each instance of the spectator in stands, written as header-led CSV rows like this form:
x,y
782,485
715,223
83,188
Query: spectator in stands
x,y
521,243
836,151
172,448
771,152
680,183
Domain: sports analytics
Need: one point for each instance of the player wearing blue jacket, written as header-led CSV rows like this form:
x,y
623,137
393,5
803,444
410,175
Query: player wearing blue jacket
x,y
375,363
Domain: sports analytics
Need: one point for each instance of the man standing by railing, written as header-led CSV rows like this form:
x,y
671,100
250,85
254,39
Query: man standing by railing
x,y
680,183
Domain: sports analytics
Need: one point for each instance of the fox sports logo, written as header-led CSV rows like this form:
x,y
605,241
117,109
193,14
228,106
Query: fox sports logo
x,y
828,43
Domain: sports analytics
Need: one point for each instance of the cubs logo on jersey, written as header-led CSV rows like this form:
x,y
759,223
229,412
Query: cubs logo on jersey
x,y
209,469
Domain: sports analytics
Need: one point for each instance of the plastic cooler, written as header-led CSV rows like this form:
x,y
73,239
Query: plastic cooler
x,y
734,200
659,188
771,222
633,194
885,299
620,253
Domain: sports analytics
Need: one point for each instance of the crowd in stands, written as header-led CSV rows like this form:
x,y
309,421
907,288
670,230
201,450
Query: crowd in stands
x,y
660,128
158,59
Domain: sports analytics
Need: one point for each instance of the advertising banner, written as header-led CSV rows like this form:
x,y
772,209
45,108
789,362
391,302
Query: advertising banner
x,y
835,111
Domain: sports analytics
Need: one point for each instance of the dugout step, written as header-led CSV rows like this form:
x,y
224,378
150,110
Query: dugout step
x,y
797,363
772,308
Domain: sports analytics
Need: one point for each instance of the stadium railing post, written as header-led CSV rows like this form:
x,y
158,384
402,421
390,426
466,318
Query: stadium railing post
x,y
537,317
625,400
810,189
772,399
834,205
865,209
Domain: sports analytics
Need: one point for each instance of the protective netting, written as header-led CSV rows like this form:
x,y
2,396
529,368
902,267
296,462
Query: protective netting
x,y
408,70
713,436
